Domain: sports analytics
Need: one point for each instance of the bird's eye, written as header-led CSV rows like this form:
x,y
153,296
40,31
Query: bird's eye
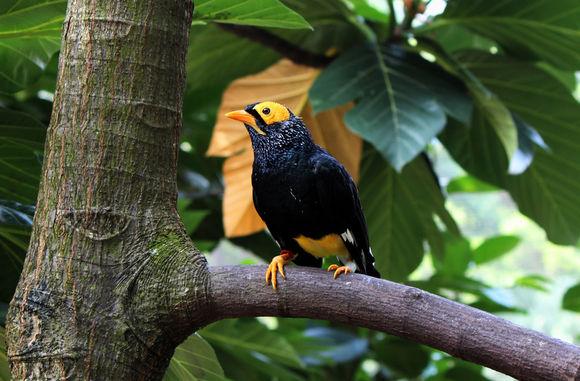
x,y
266,111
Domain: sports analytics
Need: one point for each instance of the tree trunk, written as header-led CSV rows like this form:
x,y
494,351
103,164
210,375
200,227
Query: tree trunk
x,y
112,284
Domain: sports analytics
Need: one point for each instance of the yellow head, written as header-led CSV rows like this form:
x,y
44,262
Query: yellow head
x,y
260,115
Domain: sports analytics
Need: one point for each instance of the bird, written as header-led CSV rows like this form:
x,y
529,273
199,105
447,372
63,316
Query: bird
x,y
307,199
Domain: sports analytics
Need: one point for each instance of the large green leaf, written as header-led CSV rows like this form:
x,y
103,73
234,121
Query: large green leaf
x,y
400,210
539,29
455,37
29,36
250,366
248,350
205,67
335,26
248,336
548,190
21,143
263,13
395,111
489,105
195,360
4,367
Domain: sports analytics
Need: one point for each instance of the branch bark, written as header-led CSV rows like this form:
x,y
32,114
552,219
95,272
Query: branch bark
x,y
399,310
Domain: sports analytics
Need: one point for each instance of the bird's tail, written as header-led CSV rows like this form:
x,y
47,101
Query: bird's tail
x,y
370,265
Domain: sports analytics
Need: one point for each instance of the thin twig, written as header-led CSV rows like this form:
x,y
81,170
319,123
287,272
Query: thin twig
x,y
279,45
393,19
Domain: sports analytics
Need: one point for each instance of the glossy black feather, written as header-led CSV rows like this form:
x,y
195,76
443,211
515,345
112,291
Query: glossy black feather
x,y
300,189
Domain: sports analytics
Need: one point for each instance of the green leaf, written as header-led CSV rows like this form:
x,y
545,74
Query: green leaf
x,y
400,209
528,140
456,258
571,299
15,226
248,336
370,10
547,191
4,367
404,357
486,102
567,78
536,29
325,345
455,37
249,366
195,360
21,142
13,213
262,13
261,244
190,218
493,248
498,117
205,67
29,36
488,299
535,281
335,27
469,184
395,112
465,371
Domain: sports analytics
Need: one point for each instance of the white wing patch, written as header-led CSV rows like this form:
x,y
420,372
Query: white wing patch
x,y
347,236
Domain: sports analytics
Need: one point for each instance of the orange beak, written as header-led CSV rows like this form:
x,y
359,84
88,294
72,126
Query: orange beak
x,y
246,118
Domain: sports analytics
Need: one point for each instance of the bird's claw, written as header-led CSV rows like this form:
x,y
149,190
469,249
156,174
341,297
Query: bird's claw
x,y
339,270
277,266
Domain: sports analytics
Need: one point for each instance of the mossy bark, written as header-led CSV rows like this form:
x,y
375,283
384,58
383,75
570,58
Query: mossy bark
x,y
111,282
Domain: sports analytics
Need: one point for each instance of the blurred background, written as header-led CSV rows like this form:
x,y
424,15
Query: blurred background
x,y
459,120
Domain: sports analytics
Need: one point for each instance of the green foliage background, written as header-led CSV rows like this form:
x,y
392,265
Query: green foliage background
x,y
472,158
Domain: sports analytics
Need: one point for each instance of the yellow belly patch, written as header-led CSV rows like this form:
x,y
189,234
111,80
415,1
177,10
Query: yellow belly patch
x,y
326,246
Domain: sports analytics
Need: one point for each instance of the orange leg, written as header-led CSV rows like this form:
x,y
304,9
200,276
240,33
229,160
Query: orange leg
x,y
277,265
339,270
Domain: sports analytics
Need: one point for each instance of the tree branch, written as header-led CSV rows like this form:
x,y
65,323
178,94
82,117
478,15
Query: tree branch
x,y
279,45
459,330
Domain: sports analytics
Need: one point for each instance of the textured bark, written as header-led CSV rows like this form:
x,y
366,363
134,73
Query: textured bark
x,y
111,281
400,310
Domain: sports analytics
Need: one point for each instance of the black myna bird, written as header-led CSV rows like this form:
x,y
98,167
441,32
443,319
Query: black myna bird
x,y
304,195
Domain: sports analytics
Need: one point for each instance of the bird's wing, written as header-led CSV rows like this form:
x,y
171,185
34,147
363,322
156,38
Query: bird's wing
x,y
338,196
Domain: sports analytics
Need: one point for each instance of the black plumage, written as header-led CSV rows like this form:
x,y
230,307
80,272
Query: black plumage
x,y
300,190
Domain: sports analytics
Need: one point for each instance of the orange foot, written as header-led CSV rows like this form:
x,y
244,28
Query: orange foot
x,y
339,270
277,265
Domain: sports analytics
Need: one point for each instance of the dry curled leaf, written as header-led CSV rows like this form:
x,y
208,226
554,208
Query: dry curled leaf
x,y
288,84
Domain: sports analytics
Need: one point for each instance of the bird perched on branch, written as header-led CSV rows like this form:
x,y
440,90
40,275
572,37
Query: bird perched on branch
x,y
304,195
